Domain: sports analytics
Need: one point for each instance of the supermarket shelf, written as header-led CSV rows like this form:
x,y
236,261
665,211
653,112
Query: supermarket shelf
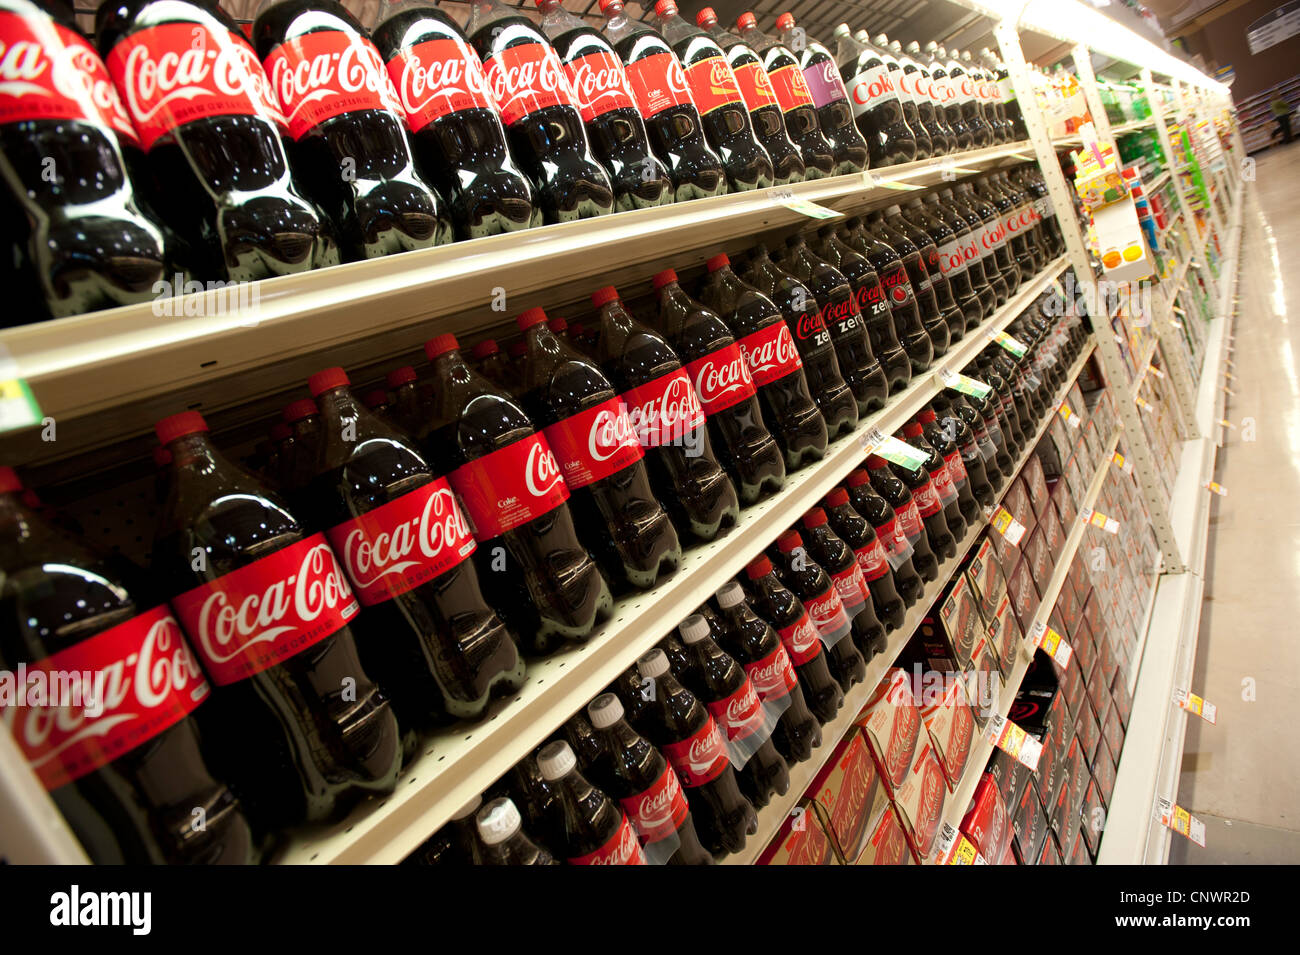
x,y
982,749
1074,141
773,815
458,763
1140,368
1157,183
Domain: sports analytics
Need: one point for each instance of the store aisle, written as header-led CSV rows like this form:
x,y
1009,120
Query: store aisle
x,y
1240,777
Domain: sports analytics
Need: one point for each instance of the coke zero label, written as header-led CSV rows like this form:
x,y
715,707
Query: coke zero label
x,y
136,680
178,73
659,811
755,87
739,715
897,286
871,88
773,677
873,560
811,326
623,848
525,79
599,84
770,354
852,588
701,757
721,379
664,410
712,84
328,73
926,499
790,87
870,298
593,444
956,467
48,72
800,640
828,615
658,83
841,309
437,78
510,487
403,544
262,614
909,520
824,83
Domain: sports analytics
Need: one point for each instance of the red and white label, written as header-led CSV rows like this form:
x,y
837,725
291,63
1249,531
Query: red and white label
x,y
903,733
926,499
800,640
851,587
262,614
599,84
754,86
658,83
701,757
893,538
721,379
510,487
943,484
623,848
139,676
770,354
49,72
178,73
593,444
437,78
871,88
828,615
952,260
909,519
956,468
526,78
404,543
773,676
664,410
712,84
328,73
873,560
659,811
790,87
739,715
898,286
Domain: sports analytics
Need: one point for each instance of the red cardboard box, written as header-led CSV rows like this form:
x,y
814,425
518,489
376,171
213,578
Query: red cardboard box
x,y
1023,594
962,623
844,793
951,726
1039,556
986,578
886,842
1050,854
801,841
1103,771
1004,636
1093,818
1053,532
921,799
1113,732
1036,484
986,823
892,723
1029,825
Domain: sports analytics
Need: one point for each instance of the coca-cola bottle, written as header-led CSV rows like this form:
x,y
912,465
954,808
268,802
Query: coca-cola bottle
x,y
811,584
891,268
830,98
668,419
929,505
760,99
792,95
409,404
994,237
785,613
890,52
821,369
501,831
951,263
944,441
459,142
915,81
1004,405
663,96
122,758
839,561
878,106
960,254
595,444
986,94
929,252
510,485
1025,221
843,322
540,112
721,378
873,561
717,96
756,646
986,419
773,361
241,219
1008,224
632,771
873,306
295,722
427,635
614,126
979,245
947,93
678,723
889,531
721,684
964,86
960,424
932,317
897,494
595,830
493,364
85,240
377,400
1009,103
940,479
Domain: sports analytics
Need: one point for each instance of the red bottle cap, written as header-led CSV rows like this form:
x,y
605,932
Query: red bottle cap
x,y
875,462
162,457
440,345
663,278
788,541
785,21
605,5
925,416
706,17
179,425
666,8
837,497
279,432
814,518
912,429
760,566
746,21
402,376
376,398
298,410
323,381
534,316
9,481
518,350
577,330
858,478
717,262
603,296
558,325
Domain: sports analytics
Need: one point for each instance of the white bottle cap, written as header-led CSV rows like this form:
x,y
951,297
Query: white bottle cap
x,y
556,760
841,30
881,40
693,629
730,595
652,664
605,710
498,821
893,211
468,808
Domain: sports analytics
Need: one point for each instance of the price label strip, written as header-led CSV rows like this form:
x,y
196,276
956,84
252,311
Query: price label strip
x,y
1156,371
18,407
892,450
1052,643
802,206
900,186
1199,706
1004,523
1009,342
1216,488
1227,424
1144,405
1014,741
1070,417
868,180
953,848
1098,519
1124,463
1182,822
967,386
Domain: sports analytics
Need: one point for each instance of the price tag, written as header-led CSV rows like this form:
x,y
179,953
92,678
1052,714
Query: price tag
x,y
1072,419
1229,376
802,206
895,184
1009,342
1005,524
1052,643
1144,404
892,450
1098,519
1229,391
868,181
1124,464
1216,488
1199,706
1119,340
18,407
967,386
1227,424
1176,324
1014,741
1155,371
1182,822
953,848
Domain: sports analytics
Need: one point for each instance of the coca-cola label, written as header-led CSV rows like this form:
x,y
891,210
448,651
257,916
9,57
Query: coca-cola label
x,y
871,88
525,79
262,614
739,715
593,444
770,354
178,73
851,587
658,83
870,296
599,84
665,410
437,78
721,379
136,680
952,259
943,483
701,757
903,733
510,487
1012,222
828,615
941,91
956,467
873,560
929,807
755,87
790,87
897,286
926,499
893,538
773,676
623,848
712,84
909,520
840,314
800,640
404,543
48,72
658,812
824,83
328,73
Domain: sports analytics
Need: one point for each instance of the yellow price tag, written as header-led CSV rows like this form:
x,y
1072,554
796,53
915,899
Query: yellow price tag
x,y
18,407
